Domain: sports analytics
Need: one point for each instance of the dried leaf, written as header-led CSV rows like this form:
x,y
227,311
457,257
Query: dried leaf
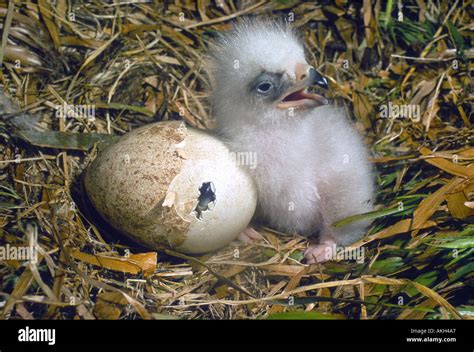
x,y
429,205
422,90
457,205
362,109
46,11
134,264
109,305
398,228
448,166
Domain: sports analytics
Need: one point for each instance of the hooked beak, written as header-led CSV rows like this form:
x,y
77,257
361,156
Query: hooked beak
x,y
299,96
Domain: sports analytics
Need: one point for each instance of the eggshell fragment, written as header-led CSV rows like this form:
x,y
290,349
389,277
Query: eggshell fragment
x,y
167,185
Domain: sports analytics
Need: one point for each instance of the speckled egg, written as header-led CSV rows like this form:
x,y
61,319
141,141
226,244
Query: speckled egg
x,y
167,185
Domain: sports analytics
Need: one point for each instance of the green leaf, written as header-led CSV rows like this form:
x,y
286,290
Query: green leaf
x,y
9,192
455,36
460,243
373,215
269,253
463,271
66,140
468,230
426,279
297,255
6,205
387,15
458,257
333,268
388,179
386,266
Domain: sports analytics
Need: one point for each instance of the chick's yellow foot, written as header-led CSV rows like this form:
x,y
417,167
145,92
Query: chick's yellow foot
x,y
249,235
321,252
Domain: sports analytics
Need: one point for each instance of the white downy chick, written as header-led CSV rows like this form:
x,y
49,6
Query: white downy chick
x,y
312,167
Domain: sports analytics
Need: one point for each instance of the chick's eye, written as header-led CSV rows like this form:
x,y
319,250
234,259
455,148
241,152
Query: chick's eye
x,y
265,87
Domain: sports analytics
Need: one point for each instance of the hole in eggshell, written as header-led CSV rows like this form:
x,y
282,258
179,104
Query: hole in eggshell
x,y
207,197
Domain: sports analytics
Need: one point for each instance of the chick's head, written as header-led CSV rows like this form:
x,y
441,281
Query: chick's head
x,y
260,75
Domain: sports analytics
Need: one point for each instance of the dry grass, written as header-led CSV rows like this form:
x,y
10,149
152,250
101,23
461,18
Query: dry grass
x,y
141,62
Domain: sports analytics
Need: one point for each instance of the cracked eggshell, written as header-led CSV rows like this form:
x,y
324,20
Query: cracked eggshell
x,y
167,185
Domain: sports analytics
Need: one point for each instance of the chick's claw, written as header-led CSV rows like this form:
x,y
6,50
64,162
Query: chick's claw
x,y
319,253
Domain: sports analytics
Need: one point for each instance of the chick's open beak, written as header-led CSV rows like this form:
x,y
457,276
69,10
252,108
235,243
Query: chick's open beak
x,y
299,96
